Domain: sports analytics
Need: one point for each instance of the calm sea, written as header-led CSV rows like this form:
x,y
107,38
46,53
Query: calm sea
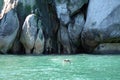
x,y
53,67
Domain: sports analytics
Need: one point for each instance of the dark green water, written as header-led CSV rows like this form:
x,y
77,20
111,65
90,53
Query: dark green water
x,y
82,67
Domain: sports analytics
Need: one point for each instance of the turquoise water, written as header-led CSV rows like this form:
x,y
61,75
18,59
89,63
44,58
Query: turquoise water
x,y
82,67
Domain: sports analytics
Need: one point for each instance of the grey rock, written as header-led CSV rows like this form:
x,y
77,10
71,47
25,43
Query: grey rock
x,y
50,22
63,39
24,8
75,29
62,11
75,5
69,37
40,41
102,24
8,5
9,26
28,33
66,8
107,48
32,36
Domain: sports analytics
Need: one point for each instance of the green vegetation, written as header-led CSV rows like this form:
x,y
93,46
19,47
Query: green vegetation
x,y
1,4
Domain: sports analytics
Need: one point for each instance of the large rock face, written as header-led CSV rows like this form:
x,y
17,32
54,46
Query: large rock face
x,y
23,8
71,23
69,37
32,36
102,24
68,26
9,26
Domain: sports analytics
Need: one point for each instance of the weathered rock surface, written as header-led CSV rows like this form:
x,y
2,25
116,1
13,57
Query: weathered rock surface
x,y
66,8
32,36
39,43
75,30
62,11
50,22
102,24
66,26
24,8
63,39
8,5
9,25
75,5
105,48
69,37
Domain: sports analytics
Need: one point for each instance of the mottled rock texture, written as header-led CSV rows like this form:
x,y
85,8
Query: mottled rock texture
x,y
9,26
32,35
59,26
102,24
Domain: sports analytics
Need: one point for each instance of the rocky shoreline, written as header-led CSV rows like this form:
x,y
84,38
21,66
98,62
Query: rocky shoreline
x,y
59,26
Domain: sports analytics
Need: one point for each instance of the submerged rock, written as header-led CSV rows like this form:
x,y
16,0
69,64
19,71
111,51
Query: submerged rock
x,y
32,36
102,24
9,26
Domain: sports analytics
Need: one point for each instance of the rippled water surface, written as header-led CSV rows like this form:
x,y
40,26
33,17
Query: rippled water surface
x,y
82,67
